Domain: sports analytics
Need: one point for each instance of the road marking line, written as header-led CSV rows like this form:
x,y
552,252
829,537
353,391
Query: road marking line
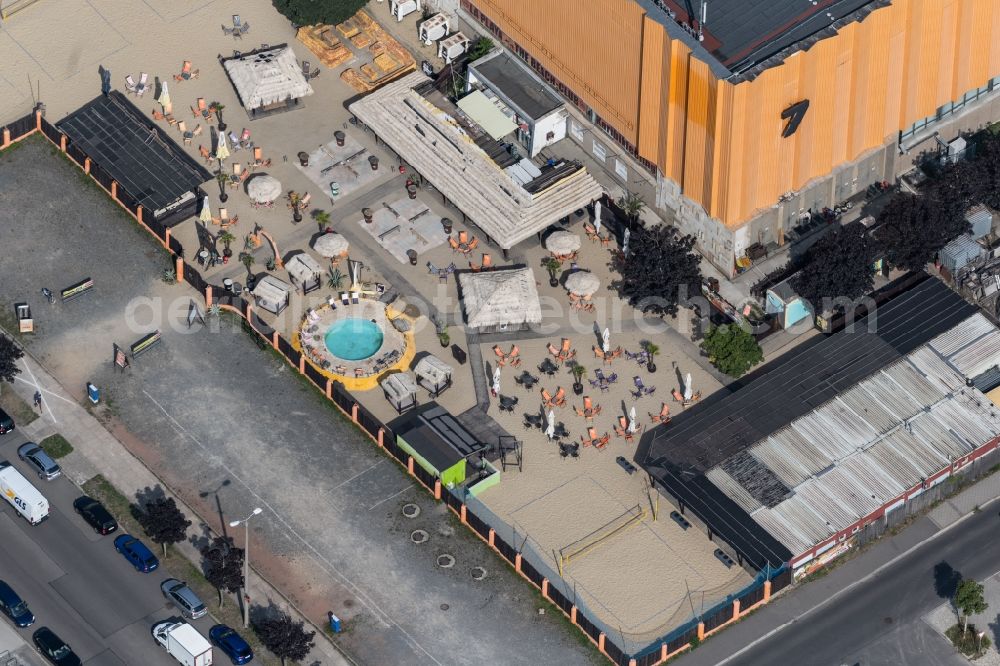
x,y
383,617
850,587
365,471
46,410
390,497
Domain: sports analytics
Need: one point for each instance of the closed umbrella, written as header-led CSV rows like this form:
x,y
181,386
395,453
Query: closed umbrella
x,y
222,150
164,98
331,245
597,216
550,429
562,242
496,381
625,237
607,340
206,211
583,283
688,388
633,425
264,189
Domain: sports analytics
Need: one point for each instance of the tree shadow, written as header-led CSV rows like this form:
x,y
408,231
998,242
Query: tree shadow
x,y
946,580
144,497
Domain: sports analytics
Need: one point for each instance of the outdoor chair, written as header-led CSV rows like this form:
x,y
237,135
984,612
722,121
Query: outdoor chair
x,y
553,351
185,72
605,240
258,158
602,441
662,417
591,232
620,431
130,85
463,237
204,153
197,130
237,26
158,116
501,357
473,244
226,31
313,74
514,357
640,389
598,352
306,66
547,399
559,400
565,353
453,244
237,177
590,437
140,88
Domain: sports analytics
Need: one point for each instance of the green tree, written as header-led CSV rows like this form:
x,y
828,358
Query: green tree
x,y
480,47
283,636
322,218
9,355
839,265
732,349
632,204
334,278
913,229
224,566
660,271
164,522
309,12
969,600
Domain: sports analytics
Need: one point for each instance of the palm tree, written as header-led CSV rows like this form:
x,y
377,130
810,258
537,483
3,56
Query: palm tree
x,y
222,178
322,218
248,261
334,278
633,205
651,350
552,265
226,238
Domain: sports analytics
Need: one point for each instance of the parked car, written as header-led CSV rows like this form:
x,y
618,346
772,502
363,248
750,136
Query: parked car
x,y
39,461
184,598
6,423
95,515
15,607
231,644
55,649
137,553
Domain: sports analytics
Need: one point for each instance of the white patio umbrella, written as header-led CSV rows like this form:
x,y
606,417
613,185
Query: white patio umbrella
x,y
164,98
688,388
354,268
496,381
633,425
222,150
583,283
625,237
331,245
597,216
206,211
562,242
606,346
550,429
264,189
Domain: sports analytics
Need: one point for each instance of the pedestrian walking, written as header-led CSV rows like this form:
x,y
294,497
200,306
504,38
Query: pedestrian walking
x,y
38,400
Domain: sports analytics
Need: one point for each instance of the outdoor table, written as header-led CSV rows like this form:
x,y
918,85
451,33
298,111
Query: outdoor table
x,y
228,284
560,431
526,379
533,420
507,403
548,367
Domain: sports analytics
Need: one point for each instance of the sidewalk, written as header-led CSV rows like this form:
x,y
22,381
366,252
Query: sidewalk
x,y
96,451
12,646
798,601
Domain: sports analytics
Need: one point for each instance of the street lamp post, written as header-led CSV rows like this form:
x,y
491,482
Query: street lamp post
x,y
246,561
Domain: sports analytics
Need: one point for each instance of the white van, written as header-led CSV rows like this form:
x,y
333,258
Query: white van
x,y
23,496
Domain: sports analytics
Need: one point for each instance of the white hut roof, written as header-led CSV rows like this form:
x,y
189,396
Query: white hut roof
x,y
302,267
433,368
441,151
493,298
267,76
271,289
399,384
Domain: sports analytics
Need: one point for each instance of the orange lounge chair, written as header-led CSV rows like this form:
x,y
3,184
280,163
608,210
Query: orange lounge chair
x,y
564,350
463,237
599,353
158,116
204,153
659,418
560,398
620,431
588,405
473,244
487,262
591,231
603,441
453,244
589,438
677,395
501,357
554,351
514,357
546,399
579,412
186,69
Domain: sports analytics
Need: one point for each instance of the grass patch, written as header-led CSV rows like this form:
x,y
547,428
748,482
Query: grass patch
x,y
178,566
968,642
56,446
12,403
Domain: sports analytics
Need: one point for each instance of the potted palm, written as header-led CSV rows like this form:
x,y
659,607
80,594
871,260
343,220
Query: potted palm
x,y
443,337
578,372
552,265
222,179
295,203
322,218
217,108
226,238
651,352
248,261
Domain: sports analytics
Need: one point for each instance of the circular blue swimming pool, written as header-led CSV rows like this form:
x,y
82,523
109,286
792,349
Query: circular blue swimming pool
x,y
353,339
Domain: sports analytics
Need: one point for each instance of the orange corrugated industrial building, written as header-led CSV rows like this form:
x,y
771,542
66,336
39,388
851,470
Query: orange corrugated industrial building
x,y
752,112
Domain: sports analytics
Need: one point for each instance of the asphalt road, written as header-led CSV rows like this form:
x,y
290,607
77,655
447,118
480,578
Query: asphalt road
x,y
77,584
879,622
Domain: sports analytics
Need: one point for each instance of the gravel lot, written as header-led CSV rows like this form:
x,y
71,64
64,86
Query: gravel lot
x,y
218,419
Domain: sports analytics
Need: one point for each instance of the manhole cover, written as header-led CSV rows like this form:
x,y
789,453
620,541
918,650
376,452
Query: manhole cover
x,y
478,573
418,536
445,606
411,510
445,561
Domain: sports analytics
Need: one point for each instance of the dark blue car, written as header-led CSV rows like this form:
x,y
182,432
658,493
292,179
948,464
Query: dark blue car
x,y
15,607
231,644
136,552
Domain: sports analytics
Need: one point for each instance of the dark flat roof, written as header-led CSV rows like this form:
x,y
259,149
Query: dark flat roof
x,y
741,34
516,82
436,435
142,157
728,422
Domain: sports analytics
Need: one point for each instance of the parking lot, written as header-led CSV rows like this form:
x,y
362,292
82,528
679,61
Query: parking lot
x,y
204,408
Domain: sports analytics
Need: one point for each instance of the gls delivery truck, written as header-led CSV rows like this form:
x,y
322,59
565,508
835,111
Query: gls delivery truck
x,y
23,496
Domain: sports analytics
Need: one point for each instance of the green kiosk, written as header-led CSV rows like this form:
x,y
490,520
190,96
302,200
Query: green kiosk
x,y
438,443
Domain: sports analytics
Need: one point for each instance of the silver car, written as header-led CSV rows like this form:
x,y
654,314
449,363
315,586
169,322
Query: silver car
x,y
184,598
39,460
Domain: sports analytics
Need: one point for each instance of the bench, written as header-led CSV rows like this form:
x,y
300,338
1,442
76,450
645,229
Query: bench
x,y
145,343
385,234
81,287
